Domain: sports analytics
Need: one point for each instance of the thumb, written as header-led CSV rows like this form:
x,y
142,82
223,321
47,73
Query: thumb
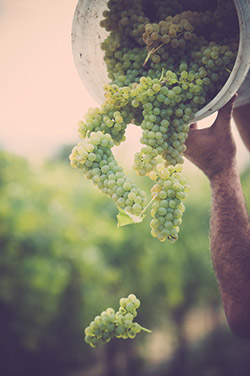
x,y
225,113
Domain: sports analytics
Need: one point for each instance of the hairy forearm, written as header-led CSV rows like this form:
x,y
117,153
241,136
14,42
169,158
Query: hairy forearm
x,y
230,248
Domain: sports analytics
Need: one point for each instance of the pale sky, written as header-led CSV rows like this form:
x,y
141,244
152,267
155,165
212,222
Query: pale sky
x,y
41,95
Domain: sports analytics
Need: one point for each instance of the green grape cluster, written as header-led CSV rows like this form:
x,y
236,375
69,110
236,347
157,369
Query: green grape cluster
x,y
110,324
173,31
166,59
126,17
94,157
163,9
169,191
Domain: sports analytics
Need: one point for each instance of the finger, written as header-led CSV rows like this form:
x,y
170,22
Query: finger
x,y
192,135
193,126
225,113
192,129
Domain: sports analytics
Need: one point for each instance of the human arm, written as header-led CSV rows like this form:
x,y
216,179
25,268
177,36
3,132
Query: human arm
x,y
213,150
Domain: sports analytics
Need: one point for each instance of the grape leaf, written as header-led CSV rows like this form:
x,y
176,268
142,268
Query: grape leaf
x,y
125,218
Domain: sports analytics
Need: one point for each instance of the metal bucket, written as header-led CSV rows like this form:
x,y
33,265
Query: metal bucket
x,y
87,35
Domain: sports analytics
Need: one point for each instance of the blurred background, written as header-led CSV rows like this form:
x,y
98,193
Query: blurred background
x,y
62,258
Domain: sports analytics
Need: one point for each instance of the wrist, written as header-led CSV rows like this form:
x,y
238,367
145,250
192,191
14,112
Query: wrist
x,y
225,177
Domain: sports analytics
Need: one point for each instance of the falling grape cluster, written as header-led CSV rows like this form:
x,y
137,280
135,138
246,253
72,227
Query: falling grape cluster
x,y
110,324
166,59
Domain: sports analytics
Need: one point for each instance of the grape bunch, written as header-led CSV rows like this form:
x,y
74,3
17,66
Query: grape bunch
x,y
110,324
94,157
169,191
166,60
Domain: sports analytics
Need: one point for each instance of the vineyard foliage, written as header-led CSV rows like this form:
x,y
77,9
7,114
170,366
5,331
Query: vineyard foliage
x,y
63,260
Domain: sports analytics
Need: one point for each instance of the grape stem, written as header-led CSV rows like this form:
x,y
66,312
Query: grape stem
x,y
151,52
228,70
145,329
148,204
162,75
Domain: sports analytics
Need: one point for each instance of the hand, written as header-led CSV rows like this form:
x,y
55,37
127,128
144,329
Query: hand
x,y
213,149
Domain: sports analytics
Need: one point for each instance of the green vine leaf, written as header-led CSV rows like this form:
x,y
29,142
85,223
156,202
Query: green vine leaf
x,y
125,218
